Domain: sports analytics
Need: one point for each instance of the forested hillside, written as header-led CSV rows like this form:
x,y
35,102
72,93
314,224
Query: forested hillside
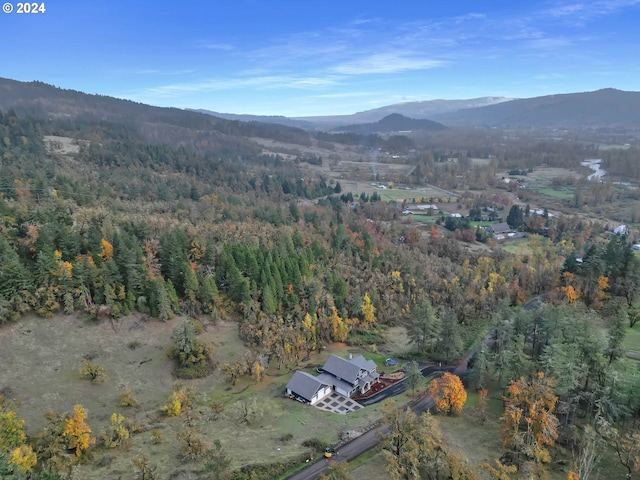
x,y
106,217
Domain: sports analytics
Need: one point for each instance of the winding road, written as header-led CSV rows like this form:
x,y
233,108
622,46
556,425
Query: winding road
x,y
370,439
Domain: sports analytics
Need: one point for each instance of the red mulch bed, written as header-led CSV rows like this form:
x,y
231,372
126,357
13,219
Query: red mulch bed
x,y
382,383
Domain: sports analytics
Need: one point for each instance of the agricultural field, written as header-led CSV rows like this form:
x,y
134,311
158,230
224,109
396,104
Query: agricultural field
x,y
398,194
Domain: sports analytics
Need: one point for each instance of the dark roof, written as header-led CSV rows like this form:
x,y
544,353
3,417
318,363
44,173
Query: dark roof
x,y
500,228
348,369
363,363
304,385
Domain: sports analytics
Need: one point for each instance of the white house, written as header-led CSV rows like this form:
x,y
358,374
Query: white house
x,y
620,230
307,388
347,377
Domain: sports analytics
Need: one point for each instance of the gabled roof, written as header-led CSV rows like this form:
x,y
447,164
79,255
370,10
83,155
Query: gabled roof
x,y
339,367
348,369
304,385
500,227
331,380
363,363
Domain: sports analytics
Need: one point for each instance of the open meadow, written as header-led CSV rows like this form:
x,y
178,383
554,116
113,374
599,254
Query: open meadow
x,y
45,356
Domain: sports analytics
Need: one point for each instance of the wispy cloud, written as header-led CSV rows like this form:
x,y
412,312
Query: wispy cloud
x,y
578,14
564,10
218,84
387,62
550,43
216,46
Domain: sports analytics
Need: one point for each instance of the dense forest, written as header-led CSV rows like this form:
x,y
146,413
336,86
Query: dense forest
x,y
123,223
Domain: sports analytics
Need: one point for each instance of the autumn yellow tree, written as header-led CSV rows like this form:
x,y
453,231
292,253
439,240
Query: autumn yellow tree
x,y
12,441
118,432
107,249
368,311
24,458
448,393
257,371
339,328
529,425
178,401
77,432
11,430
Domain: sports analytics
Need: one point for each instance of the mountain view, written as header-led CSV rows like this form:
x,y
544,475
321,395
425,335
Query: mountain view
x,y
408,249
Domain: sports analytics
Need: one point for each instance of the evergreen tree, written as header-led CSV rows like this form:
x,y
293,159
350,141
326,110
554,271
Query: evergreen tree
x,y
424,327
515,218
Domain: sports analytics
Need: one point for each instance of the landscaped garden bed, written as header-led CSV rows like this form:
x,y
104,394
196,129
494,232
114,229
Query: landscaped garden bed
x,y
385,380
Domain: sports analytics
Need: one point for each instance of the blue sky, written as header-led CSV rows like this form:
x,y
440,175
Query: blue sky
x,y
308,57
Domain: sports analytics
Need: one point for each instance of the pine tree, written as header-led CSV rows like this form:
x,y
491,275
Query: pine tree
x,y
424,327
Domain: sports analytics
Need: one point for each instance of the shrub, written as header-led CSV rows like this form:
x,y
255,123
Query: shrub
x,y
314,444
93,371
156,436
127,399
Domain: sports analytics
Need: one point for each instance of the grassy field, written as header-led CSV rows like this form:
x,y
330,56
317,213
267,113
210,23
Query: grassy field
x,y
562,193
422,218
45,355
519,246
480,162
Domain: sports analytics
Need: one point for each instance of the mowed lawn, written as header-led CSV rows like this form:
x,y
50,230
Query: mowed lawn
x,y
519,246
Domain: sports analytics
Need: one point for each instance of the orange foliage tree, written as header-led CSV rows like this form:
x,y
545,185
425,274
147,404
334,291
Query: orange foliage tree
x,y
448,393
529,425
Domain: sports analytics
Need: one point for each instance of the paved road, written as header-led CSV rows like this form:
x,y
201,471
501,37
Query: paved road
x,y
398,388
368,440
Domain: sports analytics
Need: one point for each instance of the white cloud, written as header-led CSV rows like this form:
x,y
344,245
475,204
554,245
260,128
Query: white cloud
x,y
389,62
216,46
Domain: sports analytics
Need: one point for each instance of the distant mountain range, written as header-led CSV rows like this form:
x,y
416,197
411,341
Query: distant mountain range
x,y
278,119
602,108
418,110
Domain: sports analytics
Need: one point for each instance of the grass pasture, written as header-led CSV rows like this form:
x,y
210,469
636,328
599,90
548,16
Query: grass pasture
x,y
553,182
43,357
561,193
424,218
518,246
396,194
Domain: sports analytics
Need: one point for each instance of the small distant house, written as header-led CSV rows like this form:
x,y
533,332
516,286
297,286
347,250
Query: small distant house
x,y
455,215
347,377
423,206
500,228
620,230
